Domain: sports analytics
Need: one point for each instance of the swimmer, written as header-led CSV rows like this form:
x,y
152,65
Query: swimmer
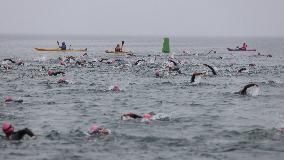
x,y
115,88
138,62
157,73
53,73
98,130
212,69
196,74
8,129
242,69
62,81
129,116
9,99
154,116
244,90
14,62
211,51
173,68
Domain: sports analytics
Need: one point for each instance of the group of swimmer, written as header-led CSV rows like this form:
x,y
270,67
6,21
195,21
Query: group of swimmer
x,y
95,129
171,66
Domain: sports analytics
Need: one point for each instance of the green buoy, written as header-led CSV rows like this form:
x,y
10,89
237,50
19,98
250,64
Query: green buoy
x,y
166,45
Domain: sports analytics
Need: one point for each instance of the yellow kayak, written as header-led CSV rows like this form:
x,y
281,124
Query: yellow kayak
x,y
60,50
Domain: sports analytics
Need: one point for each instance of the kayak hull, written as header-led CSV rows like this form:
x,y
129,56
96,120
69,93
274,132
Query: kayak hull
x,y
240,50
112,51
60,50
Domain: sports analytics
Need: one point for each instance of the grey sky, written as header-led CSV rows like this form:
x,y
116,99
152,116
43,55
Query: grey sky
x,y
143,17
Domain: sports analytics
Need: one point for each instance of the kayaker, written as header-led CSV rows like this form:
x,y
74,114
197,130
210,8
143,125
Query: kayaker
x,y
118,48
63,46
244,47
8,129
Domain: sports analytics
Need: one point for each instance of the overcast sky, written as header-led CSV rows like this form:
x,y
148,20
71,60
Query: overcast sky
x,y
143,17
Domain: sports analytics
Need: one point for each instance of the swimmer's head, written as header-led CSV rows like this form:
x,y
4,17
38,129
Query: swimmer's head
x,y
94,128
62,80
8,99
50,72
115,88
157,72
147,116
7,128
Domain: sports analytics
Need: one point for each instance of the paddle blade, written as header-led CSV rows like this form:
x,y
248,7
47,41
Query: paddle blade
x,y
122,43
57,43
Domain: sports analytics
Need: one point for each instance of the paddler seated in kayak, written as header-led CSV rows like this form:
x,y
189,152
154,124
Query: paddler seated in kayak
x,y
63,46
244,47
118,48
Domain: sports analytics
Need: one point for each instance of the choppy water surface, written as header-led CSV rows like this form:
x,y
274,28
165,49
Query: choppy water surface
x,y
208,121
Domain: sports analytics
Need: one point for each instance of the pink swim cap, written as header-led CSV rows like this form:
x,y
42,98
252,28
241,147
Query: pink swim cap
x,y
8,99
62,63
62,80
50,72
94,128
157,72
115,88
147,116
7,127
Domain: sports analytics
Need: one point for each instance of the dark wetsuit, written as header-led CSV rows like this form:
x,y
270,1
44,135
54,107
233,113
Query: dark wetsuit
x,y
244,90
176,67
56,73
132,115
242,69
63,47
211,68
9,60
20,134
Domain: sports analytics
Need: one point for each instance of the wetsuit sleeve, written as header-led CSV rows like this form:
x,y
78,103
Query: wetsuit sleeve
x,y
56,73
21,133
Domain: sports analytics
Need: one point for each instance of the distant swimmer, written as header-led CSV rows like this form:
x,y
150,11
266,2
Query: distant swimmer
x,y
9,99
154,116
115,88
130,115
211,51
98,130
8,129
14,62
139,62
269,55
211,68
193,76
157,73
54,73
244,90
145,117
62,80
173,67
241,70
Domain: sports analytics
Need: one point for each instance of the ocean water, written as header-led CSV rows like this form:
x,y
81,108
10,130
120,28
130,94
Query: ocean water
x,y
207,120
